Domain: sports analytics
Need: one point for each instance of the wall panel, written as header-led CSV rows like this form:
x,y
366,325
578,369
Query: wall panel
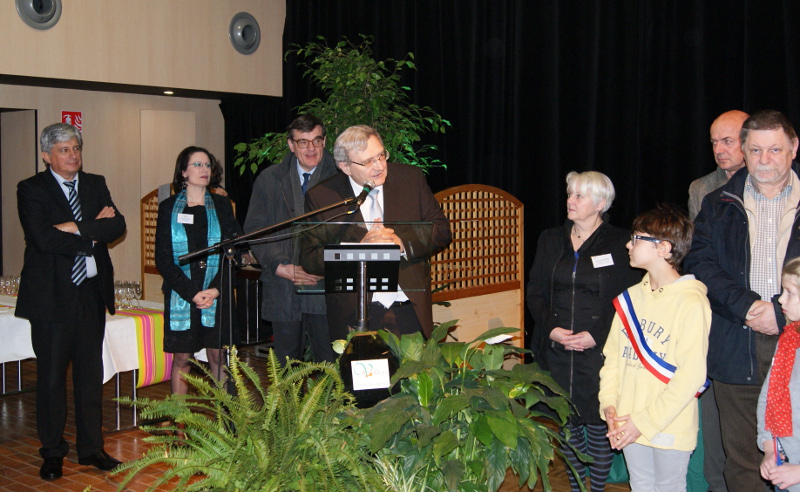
x,y
113,143
161,43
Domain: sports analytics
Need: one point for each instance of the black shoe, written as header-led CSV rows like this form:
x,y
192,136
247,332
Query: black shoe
x,y
100,460
51,469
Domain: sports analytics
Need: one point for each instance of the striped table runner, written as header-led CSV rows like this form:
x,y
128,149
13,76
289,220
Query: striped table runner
x,y
155,365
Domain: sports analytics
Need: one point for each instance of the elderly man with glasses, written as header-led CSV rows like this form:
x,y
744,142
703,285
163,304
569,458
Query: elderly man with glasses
x,y
399,194
279,195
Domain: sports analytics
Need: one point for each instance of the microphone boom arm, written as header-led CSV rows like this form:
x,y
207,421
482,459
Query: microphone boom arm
x,y
244,238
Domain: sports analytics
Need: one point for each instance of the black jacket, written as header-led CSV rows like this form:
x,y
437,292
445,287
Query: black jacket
x,y
555,300
720,258
46,291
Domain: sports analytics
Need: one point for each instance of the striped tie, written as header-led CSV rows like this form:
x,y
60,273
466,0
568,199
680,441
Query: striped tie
x,y
79,268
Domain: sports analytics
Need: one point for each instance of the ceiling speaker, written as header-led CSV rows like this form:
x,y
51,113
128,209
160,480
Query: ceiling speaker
x,y
244,33
39,14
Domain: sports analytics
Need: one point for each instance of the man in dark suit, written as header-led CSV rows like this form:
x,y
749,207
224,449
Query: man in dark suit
x,y
399,194
279,195
66,286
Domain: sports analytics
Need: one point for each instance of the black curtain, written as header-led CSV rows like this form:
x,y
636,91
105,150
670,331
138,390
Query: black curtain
x,y
535,89
246,118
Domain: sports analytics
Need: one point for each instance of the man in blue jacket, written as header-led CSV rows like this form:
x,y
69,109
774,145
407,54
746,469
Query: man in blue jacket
x,y
743,236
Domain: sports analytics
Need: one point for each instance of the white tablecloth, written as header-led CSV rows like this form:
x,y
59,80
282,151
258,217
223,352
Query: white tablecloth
x,y
119,345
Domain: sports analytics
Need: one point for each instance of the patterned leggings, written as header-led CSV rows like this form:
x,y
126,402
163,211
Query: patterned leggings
x,y
590,440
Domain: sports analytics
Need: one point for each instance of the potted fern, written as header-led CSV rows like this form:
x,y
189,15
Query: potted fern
x,y
294,434
357,90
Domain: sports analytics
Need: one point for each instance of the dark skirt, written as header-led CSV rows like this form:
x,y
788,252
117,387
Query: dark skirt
x,y
198,337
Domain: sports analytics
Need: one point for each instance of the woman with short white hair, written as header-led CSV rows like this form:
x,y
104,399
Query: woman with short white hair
x,y
579,268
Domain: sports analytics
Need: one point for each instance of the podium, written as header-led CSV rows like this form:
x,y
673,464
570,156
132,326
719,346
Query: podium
x,y
352,273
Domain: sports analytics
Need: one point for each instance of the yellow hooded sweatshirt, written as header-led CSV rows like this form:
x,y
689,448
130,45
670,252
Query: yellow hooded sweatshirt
x,y
675,320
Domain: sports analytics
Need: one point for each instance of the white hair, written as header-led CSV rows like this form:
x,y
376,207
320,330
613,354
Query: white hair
x,y
593,184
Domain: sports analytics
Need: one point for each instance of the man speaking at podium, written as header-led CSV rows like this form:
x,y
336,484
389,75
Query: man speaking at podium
x,y
399,193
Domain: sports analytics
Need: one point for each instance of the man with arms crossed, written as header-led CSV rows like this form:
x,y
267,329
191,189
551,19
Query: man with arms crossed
x,y
66,285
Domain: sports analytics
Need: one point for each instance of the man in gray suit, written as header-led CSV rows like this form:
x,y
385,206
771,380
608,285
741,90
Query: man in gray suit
x,y
727,152
278,195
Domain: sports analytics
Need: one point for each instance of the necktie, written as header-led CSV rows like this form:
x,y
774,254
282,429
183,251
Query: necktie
x,y
375,211
79,268
304,186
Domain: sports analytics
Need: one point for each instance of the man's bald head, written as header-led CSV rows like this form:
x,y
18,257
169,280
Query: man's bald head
x,y
725,141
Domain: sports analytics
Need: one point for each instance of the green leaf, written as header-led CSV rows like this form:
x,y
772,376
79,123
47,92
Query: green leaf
x,y
443,444
493,357
496,465
440,331
392,341
453,352
387,418
504,426
425,433
495,332
425,390
453,471
481,430
411,346
448,406
494,397
408,369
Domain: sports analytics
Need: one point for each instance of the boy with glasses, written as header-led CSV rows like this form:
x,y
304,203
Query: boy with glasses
x,y
655,363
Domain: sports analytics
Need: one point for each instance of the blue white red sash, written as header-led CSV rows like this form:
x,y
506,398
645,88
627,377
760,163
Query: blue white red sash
x,y
657,366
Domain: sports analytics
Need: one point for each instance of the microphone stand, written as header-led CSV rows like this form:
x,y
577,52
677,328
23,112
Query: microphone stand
x,y
228,248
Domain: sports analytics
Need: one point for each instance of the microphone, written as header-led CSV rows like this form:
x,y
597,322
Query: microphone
x,y
368,185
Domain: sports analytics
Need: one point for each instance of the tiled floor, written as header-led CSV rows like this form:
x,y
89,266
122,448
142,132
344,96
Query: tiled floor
x,y
20,461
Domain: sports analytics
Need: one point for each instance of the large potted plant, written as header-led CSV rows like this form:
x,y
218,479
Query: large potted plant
x,y
459,421
357,90
456,421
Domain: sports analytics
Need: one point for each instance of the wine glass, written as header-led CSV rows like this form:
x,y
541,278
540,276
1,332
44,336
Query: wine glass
x,y
137,292
118,294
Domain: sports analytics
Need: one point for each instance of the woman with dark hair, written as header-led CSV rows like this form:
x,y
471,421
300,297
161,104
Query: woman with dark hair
x,y
578,269
191,219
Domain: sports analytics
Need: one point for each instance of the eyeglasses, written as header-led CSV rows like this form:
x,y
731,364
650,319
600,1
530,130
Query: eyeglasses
x,y
303,143
201,164
382,158
636,237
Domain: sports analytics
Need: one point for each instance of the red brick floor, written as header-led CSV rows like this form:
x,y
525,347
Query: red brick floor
x,y
19,447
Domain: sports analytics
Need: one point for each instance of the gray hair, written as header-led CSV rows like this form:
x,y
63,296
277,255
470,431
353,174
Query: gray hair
x,y
767,119
57,133
353,138
594,184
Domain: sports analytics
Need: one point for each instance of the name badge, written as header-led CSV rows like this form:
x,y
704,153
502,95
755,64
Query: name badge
x,y
601,261
185,219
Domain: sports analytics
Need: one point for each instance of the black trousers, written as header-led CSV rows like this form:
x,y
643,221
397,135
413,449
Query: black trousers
x,y
290,338
79,340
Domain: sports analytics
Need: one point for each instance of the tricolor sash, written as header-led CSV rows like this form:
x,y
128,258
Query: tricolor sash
x,y
658,367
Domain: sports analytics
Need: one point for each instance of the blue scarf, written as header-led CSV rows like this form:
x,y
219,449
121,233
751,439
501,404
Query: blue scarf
x,y
179,308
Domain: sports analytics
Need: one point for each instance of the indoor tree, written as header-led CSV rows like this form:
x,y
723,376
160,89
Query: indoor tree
x,y
357,90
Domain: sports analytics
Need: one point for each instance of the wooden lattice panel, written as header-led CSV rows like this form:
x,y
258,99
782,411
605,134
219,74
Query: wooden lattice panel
x,y
486,254
149,217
